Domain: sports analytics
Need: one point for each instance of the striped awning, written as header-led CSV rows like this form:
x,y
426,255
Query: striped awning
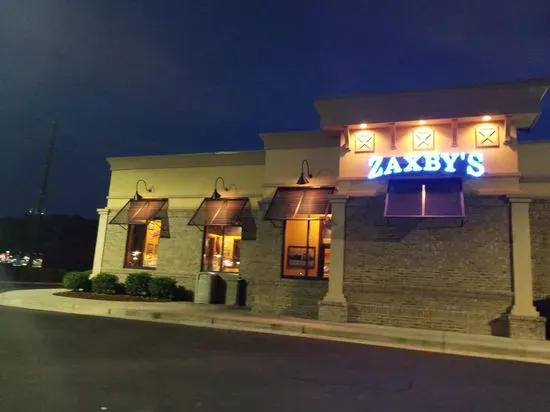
x,y
220,212
140,212
300,203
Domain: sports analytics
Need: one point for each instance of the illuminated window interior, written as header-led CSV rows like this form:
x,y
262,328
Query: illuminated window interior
x,y
306,248
221,249
142,245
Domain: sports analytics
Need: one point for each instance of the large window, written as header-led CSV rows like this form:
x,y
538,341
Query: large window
x,y
221,249
306,249
142,245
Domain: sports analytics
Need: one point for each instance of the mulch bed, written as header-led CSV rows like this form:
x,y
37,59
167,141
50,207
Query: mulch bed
x,y
99,296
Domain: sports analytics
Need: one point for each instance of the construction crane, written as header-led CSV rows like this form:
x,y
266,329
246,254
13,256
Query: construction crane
x,y
40,204
36,214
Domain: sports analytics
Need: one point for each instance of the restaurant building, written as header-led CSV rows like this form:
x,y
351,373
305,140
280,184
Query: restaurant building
x,y
419,209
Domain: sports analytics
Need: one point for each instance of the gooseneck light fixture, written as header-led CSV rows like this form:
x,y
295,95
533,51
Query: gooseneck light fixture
x,y
216,195
137,196
304,178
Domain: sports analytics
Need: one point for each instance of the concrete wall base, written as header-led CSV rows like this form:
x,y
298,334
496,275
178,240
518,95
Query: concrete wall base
x,y
527,327
333,311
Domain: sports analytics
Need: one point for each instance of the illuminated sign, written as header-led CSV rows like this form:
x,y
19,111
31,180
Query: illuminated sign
x,y
459,164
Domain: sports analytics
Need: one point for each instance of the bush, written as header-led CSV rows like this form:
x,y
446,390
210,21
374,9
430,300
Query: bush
x,y
77,281
163,287
137,284
105,283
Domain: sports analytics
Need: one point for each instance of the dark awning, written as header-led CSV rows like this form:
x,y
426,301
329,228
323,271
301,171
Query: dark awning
x,y
220,212
441,198
140,212
301,203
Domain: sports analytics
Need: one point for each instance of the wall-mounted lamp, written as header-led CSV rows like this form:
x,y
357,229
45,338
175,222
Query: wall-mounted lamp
x,y
422,122
486,118
303,179
363,126
137,196
215,194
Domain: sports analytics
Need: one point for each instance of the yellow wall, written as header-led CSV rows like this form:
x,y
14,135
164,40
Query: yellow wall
x,y
501,162
535,168
497,160
283,166
185,187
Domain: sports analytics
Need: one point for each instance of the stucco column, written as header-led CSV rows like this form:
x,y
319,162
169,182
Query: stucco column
x,y
100,240
525,321
333,307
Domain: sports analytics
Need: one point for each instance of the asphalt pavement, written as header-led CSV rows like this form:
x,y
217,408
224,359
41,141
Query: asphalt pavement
x,y
60,362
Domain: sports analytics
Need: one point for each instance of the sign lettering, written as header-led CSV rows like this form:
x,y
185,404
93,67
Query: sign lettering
x,y
431,163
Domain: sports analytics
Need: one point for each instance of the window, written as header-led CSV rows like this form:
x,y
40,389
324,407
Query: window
x,y
432,198
221,249
142,245
306,248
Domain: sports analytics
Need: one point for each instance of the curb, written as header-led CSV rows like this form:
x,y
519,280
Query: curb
x,y
411,339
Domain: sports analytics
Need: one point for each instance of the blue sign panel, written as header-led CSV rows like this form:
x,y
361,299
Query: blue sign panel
x,y
437,164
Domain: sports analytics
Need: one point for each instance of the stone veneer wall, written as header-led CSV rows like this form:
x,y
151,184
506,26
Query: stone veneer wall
x,y
539,211
431,273
261,267
179,255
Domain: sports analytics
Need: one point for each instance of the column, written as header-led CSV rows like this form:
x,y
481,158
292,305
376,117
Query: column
x,y
525,321
334,307
100,241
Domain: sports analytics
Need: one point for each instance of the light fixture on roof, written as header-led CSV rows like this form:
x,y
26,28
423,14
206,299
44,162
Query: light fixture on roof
x,y
137,196
215,194
363,126
422,122
303,179
486,118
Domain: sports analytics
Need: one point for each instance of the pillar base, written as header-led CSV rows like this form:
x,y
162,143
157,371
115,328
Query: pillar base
x,y
333,311
527,327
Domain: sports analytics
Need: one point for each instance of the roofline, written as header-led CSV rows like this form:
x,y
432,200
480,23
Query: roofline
x,y
212,159
196,154
540,82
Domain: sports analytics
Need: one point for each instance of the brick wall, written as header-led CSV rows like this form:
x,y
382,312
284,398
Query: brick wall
x,y
429,274
539,211
261,267
179,255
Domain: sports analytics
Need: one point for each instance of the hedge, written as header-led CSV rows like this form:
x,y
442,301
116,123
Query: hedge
x,y
163,287
77,281
137,284
105,283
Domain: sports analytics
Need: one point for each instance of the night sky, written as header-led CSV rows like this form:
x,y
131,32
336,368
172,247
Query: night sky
x,y
128,77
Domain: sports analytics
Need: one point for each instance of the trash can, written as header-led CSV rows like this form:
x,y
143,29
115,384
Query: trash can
x,y
205,287
234,287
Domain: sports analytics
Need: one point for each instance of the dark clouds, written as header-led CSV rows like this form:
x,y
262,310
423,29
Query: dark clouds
x,y
133,77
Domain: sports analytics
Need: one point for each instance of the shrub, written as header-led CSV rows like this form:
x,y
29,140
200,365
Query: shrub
x,y
105,283
163,287
77,281
137,284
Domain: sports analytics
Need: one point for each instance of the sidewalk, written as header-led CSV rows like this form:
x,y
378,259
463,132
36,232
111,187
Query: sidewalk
x,y
219,316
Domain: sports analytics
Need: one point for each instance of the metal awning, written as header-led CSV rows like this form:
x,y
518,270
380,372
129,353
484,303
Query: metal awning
x,y
300,203
433,198
141,212
220,212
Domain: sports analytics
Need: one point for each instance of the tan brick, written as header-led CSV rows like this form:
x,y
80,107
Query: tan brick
x,y
428,274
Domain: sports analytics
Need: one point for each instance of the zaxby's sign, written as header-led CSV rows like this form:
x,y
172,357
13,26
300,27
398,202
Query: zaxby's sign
x,y
456,164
